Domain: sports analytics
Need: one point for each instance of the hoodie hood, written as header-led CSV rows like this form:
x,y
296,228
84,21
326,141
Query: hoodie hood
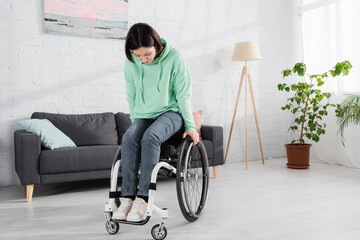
x,y
157,62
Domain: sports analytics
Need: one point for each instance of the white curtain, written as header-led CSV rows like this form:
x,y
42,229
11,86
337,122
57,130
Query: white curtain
x,y
331,33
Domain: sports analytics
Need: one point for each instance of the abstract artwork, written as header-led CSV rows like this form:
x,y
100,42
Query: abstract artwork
x,y
89,18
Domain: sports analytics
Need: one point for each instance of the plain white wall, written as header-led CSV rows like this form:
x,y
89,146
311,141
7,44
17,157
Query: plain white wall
x,y
63,74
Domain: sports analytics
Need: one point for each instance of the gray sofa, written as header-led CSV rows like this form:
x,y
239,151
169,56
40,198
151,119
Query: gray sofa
x,y
97,137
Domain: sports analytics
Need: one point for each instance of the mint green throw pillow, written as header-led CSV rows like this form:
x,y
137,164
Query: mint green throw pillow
x,y
50,136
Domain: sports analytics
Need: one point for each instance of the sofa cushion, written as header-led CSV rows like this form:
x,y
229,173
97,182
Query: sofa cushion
x,y
79,159
50,136
123,122
84,129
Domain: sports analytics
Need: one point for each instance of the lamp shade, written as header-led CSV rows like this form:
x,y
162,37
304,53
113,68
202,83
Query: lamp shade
x,y
246,51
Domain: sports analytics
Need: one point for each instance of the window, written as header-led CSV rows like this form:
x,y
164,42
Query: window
x,y
331,33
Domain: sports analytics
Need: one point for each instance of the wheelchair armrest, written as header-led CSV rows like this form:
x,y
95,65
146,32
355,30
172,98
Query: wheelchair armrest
x,y
27,156
215,135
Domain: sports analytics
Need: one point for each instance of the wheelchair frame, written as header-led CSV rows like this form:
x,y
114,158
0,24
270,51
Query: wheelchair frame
x,y
159,231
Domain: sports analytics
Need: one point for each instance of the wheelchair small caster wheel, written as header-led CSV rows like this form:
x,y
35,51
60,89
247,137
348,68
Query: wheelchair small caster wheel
x,y
112,227
159,231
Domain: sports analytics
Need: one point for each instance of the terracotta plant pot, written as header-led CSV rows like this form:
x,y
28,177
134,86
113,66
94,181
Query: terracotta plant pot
x,y
298,155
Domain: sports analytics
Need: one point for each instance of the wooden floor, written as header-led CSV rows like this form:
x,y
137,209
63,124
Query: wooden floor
x,y
266,202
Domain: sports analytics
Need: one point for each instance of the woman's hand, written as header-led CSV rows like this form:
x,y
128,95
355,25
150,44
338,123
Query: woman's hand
x,y
193,134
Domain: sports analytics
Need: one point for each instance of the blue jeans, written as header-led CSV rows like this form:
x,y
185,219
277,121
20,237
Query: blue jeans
x,y
141,143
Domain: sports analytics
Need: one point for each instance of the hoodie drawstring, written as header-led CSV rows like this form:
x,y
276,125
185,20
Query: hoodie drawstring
x,y
158,76
141,83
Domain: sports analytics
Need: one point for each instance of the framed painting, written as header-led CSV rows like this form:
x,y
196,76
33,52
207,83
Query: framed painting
x,y
89,18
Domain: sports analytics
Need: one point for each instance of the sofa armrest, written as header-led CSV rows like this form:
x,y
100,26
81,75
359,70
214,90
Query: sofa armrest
x,y
27,157
215,135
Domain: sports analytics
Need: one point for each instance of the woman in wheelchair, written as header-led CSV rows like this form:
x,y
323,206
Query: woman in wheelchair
x,y
158,87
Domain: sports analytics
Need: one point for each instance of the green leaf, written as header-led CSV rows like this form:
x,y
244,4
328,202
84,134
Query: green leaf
x,y
300,69
286,72
287,106
314,76
348,64
315,138
280,87
294,128
341,67
320,97
302,119
314,102
294,87
320,82
297,120
327,95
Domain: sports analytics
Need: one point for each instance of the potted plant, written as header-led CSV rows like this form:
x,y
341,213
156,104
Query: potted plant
x,y
348,112
309,105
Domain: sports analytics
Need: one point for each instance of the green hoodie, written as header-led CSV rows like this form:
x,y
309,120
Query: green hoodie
x,y
161,86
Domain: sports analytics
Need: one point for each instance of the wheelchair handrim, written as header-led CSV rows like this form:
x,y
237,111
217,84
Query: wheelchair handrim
x,y
200,206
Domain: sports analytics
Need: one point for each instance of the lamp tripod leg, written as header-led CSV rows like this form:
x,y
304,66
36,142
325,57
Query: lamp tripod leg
x,y
233,119
256,121
246,147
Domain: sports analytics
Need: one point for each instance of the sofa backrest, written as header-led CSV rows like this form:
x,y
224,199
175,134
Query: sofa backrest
x,y
84,129
123,122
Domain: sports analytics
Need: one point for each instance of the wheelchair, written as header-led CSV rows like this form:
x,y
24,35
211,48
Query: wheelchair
x,y
191,167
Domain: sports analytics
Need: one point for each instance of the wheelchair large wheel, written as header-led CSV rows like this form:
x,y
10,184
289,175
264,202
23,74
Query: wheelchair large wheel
x,y
192,179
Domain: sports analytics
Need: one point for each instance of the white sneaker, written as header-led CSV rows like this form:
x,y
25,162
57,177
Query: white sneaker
x,y
138,211
124,209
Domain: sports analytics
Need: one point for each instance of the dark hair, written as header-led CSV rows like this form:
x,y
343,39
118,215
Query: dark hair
x,y
141,35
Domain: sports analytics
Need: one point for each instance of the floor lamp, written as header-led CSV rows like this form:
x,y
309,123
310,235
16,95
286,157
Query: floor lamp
x,y
245,51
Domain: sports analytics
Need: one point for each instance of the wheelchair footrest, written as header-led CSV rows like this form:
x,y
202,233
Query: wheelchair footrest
x,y
133,223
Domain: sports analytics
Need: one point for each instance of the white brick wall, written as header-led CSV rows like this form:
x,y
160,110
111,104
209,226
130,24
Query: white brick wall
x,y
54,73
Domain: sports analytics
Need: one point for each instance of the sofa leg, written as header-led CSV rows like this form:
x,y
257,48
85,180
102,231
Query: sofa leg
x,y
29,192
215,168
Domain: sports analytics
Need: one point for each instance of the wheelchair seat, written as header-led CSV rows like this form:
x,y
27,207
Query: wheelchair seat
x,y
170,149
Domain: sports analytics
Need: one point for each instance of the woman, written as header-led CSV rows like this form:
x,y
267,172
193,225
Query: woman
x,y
158,87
